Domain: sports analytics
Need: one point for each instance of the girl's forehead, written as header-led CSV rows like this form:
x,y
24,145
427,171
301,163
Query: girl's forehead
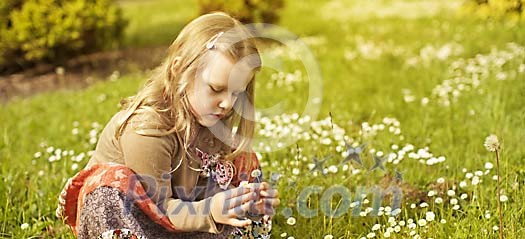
x,y
220,69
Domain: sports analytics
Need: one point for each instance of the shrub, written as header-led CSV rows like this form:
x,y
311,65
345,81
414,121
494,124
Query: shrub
x,y
512,9
247,11
33,31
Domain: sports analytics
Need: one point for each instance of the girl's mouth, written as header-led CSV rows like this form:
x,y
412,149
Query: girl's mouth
x,y
218,116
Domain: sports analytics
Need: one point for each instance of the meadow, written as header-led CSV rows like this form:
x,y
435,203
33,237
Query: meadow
x,y
410,90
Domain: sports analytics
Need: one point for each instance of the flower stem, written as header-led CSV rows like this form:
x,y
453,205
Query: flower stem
x,y
499,199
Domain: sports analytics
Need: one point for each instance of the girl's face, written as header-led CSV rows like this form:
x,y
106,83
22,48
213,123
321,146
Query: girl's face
x,y
217,87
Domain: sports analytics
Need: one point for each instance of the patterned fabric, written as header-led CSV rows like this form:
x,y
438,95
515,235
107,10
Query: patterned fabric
x,y
119,234
213,165
108,201
116,176
258,230
105,213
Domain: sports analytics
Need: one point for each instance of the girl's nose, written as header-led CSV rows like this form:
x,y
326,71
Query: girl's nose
x,y
226,102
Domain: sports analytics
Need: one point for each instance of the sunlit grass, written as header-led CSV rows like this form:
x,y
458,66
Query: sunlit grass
x,y
356,90
153,23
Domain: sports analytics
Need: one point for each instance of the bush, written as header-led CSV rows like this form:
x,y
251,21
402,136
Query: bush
x,y
512,9
247,11
33,31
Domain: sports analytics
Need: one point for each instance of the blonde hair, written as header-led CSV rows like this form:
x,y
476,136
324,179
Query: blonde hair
x,y
165,94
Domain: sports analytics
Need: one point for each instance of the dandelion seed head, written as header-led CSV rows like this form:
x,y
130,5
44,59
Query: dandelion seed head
x,y
396,212
489,165
503,198
430,216
376,227
345,167
332,169
462,184
438,200
440,180
295,171
463,196
475,180
491,143
411,225
391,220
422,222
256,173
397,228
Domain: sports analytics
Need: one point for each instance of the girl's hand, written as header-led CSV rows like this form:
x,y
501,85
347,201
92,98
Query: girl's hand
x,y
228,206
267,201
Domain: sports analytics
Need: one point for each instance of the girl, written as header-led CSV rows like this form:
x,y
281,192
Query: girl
x,y
170,164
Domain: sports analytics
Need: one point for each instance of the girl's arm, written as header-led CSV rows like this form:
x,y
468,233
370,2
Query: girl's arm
x,y
150,158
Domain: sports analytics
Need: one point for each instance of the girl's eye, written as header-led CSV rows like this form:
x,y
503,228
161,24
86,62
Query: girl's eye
x,y
215,89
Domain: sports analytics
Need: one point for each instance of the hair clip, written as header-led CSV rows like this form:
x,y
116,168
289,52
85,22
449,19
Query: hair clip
x,y
213,40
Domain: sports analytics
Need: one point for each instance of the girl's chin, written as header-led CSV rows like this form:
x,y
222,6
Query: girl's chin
x,y
209,121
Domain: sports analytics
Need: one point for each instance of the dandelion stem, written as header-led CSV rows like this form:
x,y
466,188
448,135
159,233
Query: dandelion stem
x,y
499,198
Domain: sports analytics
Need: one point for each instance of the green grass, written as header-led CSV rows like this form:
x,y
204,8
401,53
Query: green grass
x,y
359,90
156,22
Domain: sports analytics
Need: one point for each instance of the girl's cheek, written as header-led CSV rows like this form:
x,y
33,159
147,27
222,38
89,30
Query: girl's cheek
x,y
214,101
205,97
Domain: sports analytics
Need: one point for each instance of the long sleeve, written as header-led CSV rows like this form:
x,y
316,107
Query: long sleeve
x,y
151,158
245,164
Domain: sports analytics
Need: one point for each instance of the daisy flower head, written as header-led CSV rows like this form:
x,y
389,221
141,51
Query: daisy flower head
x,y
291,221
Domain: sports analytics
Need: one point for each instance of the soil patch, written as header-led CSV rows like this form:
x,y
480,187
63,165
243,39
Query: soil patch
x,y
79,72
